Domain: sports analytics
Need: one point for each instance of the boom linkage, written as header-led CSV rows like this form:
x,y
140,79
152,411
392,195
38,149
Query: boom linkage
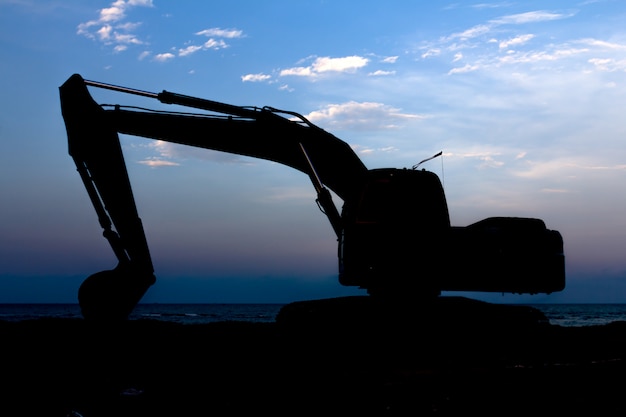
x,y
324,197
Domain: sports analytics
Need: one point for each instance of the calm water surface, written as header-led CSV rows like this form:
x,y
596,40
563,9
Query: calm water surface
x,y
557,314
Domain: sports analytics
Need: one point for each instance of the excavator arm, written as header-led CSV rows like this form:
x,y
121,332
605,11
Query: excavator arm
x,y
93,141
394,234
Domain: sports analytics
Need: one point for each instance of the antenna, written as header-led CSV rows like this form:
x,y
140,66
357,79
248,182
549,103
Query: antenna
x,y
427,159
443,180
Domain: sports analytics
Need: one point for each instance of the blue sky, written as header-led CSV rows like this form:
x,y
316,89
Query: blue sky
x,y
525,99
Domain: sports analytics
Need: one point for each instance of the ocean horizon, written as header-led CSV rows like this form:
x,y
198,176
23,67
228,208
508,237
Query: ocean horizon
x,y
568,315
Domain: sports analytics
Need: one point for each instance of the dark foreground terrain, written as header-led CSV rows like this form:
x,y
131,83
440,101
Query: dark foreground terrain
x,y
335,357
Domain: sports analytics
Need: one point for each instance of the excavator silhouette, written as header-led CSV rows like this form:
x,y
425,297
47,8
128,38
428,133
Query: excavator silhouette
x,y
394,234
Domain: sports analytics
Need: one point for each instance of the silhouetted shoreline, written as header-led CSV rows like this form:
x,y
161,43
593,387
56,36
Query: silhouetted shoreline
x,y
314,362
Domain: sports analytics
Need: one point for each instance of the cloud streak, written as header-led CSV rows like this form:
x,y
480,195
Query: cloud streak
x,y
363,116
155,162
172,154
213,43
111,28
468,51
321,65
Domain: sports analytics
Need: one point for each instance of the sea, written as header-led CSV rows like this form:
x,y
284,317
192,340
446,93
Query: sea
x,y
557,314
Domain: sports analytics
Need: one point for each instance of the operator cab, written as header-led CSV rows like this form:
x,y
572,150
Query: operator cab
x,y
393,228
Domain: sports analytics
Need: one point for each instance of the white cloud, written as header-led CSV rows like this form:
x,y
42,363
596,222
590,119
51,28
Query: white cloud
x,y
128,26
604,44
529,17
113,13
110,29
168,152
360,116
299,71
215,44
490,162
221,33
518,40
447,42
566,167
390,59
122,38
326,64
515,19
255,77
608,64
362,150
346,64
486,158
469,33
164,57
431,52
211,43
463,69
489,5
538,56
189,50
104,33
155,162
147,3
379,73
589,53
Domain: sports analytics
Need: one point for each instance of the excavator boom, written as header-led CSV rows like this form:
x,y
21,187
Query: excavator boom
x,y
258,133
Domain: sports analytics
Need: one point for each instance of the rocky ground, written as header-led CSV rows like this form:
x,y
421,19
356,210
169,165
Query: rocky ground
x,y
327,357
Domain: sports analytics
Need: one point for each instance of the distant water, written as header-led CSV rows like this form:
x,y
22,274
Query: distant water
x,y
582,314
207,313
557,314
179,313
